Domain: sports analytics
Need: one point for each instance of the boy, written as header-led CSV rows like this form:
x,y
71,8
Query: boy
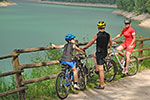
x,y
67,55
102,39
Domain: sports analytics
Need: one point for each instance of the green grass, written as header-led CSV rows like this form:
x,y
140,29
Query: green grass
x,y
45,90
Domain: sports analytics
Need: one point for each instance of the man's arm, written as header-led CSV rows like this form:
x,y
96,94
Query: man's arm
x,y
90,43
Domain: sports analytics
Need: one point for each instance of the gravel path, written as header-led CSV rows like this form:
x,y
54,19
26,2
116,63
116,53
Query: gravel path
x,y
130,88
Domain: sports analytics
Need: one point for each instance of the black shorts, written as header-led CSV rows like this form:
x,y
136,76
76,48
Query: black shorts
x,y
100,58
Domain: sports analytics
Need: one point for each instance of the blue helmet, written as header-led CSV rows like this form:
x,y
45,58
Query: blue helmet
x,y
69,36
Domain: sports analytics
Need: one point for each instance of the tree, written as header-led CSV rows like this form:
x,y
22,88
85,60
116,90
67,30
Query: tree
x,y
140,6
148,6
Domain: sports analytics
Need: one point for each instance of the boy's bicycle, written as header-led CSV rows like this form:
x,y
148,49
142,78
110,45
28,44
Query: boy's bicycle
x,y
133,66
65,79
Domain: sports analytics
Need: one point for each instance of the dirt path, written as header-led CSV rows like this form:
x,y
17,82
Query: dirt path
x,y
130,88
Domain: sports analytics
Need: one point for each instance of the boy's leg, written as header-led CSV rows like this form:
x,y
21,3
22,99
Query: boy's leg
x,y
75,74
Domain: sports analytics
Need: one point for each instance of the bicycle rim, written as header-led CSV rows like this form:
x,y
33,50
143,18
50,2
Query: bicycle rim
x,y
133,66
60,86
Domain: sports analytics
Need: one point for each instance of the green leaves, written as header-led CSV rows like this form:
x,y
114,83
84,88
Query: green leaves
x,y
139,6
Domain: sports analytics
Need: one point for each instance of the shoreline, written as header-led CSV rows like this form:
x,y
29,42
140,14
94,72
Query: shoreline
x,y
5,4
78,4
144,18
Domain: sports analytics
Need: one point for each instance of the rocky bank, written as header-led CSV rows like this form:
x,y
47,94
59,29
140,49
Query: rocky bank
x,y
5,4
144,19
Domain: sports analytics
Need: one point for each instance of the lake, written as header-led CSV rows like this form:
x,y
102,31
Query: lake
x,y
32,24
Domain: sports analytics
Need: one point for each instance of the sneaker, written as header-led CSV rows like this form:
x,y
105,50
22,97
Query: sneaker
x,y
125,71
76,87
99,87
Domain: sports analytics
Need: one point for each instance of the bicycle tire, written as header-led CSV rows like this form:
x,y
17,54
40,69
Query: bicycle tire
x,y
61,89
110,70
133,66
82,79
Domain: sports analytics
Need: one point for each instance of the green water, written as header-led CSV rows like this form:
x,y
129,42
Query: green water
x,y
31,24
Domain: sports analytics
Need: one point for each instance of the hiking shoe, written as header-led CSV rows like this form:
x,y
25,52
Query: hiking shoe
x,y
125,71
99,87
76,86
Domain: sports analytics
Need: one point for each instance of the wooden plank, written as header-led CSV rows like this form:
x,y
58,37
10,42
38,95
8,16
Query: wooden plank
x,y
11,73
39,64
13,91
34,49
39,79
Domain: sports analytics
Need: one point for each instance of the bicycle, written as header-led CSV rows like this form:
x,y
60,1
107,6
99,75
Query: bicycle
x,y
65,80
110,68
133,66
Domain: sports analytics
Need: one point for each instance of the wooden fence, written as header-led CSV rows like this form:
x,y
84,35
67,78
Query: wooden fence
x,y
18,68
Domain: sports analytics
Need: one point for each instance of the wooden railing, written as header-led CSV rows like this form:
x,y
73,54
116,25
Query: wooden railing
x,y
18,68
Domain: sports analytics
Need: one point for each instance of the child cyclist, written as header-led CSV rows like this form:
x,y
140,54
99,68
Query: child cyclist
x,y
67,55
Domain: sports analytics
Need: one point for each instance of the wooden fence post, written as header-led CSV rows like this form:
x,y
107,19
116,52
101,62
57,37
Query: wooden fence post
x,y
18,76
140,47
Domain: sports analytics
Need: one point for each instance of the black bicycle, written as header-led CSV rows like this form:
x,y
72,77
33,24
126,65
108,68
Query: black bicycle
x,y
110,68
64,80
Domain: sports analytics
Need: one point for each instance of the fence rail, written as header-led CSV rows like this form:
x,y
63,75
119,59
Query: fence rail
x,y
19,68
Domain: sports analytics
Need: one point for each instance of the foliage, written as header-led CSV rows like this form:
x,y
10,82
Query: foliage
x,y
139,6
88,1
148,6
2,0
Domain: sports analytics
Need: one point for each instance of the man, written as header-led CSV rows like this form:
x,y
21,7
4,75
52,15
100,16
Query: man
x,y
102,39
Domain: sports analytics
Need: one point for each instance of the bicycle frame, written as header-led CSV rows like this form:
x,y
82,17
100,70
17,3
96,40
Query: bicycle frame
x,y
67,76
114,51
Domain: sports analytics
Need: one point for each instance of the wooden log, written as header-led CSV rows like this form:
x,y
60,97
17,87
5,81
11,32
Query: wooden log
x,y
142,39
13,91
5,57
141,47
39,64
39,79
11,73
143,58
18,76
34,49
137,50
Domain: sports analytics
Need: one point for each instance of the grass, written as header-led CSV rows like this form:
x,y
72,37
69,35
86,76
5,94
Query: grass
x,y
45,90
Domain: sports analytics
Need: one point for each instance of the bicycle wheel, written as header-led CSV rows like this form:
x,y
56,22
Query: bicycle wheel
x,y
60,85
133,66
90,67
110,70
82,79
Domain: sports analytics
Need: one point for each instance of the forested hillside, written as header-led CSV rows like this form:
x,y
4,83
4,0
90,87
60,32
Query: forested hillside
x,y
3,0
87,1
139,6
